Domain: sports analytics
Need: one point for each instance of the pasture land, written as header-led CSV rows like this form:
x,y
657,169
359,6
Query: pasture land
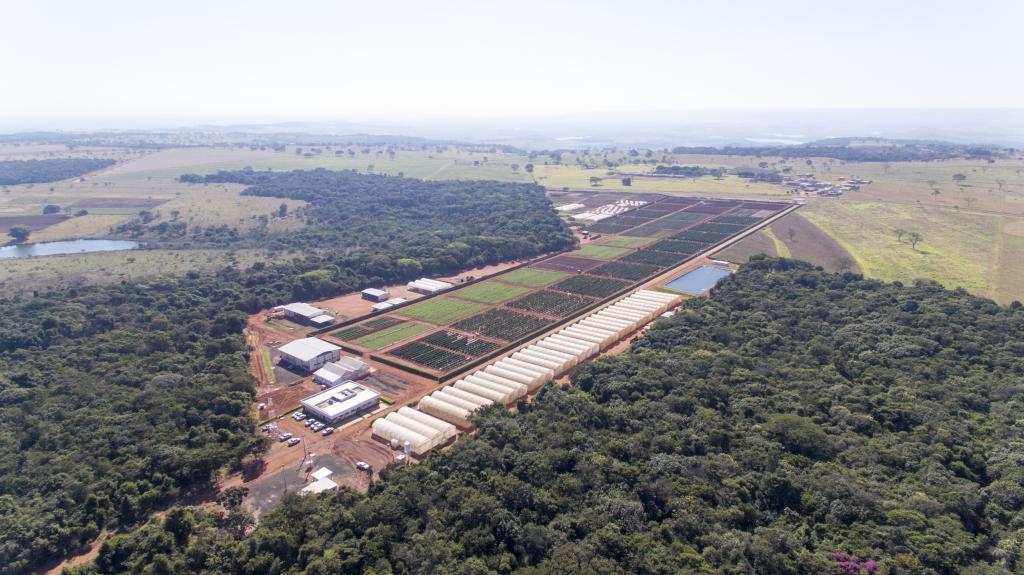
x,y
557,177
441,310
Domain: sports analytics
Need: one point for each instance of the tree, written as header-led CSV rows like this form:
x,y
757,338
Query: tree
x,y
900,232
528,168
282,211
515,167
51,209
959,178
19,233
627,181
913,238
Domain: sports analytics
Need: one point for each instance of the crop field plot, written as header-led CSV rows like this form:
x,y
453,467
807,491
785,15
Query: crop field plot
x,y
625,271
629,220
736,220
501,324
442,310
460,343
601,252
568,264
677,247
532,277
624,242
491,292
678,220
429,356
654,211
551,303
652,230
591,286
603,228
699,237
710,208
391,335
356,331
651,257
727,229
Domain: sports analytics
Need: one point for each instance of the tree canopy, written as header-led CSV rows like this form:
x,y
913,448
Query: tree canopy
x,y
796,422
42,171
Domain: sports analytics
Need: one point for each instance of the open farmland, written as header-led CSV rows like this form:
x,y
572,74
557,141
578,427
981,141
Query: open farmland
x,y
601,252
501,324
624,242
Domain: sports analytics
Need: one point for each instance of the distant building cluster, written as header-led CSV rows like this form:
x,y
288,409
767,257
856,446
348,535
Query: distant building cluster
x,y
808,185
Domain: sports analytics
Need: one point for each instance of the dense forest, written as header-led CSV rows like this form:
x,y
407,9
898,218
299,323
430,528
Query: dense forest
x,y
43,171
854,150
117,399
796,422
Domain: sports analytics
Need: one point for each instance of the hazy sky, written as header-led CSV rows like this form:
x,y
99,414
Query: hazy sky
x,y
184,61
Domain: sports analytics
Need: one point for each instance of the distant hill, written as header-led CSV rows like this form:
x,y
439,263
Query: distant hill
x,y
857,149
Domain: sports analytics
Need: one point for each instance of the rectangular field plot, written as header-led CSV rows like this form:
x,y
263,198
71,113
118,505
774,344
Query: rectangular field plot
x,y
699,237
600,252
460,343
678,220
568,264
726,229
389,335
625,271
712,207
650,257
653,212
491,292
677,247
357,331
532,277
603,228
624,242
551,303
652,231
626,220
591,286
502,324
736,220
429,356
442,310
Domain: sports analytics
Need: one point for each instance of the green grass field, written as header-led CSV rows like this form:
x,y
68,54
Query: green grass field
x,y
393,334
625,242
600,252
441,310
531,277
491,292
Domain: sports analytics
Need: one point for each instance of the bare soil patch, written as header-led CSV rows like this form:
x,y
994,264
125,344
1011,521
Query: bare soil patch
x,y
34,223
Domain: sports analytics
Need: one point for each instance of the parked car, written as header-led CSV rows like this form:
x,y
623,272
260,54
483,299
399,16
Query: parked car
x,y
266,428
284,437
294,441
328,431
317,426
299,416
310,422
362,466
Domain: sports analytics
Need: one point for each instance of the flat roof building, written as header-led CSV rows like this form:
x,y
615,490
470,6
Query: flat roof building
x,y
309,353
345,369
341,402
374,294
305,313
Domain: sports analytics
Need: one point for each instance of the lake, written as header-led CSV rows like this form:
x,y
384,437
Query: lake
x,y
66,247
699,280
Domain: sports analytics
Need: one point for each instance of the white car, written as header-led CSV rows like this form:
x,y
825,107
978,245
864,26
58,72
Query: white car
x,y
328,431
362,466
299,416
294,441
284,437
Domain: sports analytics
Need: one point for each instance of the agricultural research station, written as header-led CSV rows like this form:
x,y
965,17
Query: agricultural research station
x,y
341,402
435,418
374,294
309,354
305,313
346,368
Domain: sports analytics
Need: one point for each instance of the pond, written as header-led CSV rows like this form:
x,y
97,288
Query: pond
x,y
66,247
699,280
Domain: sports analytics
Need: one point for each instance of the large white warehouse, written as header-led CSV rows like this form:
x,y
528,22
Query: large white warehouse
x,y
309,354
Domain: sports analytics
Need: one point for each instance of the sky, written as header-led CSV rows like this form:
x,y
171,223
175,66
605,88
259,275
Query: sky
x,y
113,64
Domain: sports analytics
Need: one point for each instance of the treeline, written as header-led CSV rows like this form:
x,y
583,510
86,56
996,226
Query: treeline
x,y
116,399
14,172
798,422
853,150
756,174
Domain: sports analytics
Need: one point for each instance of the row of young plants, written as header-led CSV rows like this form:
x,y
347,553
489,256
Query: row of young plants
x,y
501,324
429,356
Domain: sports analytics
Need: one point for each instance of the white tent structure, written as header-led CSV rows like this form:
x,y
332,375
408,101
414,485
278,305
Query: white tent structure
x,y
423,435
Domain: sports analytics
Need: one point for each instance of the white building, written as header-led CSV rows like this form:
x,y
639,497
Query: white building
x,y
305,313
427,286
341,402
309,353
388,304
345,369
374,294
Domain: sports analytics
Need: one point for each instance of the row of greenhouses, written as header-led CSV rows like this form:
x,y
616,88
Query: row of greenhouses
x,y
523,372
